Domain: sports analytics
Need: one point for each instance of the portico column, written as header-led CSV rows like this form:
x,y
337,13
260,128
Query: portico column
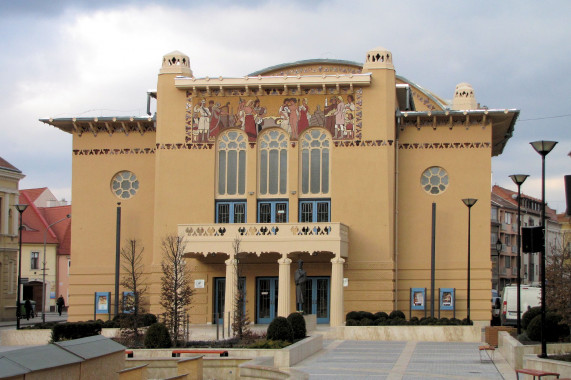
x,y
230,292
284,286
336,291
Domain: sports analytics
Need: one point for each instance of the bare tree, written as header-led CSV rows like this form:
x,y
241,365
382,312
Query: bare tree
x,y
240,325
133,280
176,291
558,280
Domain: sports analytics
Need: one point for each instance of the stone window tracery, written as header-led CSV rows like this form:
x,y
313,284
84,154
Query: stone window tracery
x,y
434,180
315,162
232,163
124,184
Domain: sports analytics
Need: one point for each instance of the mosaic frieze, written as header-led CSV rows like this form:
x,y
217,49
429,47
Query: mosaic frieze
x,y
340,112
314,70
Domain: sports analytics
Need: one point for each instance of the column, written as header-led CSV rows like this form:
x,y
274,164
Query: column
x,y
336,318
230,292
284,286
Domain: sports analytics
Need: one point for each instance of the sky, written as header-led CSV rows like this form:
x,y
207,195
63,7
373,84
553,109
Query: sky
x,y
99,58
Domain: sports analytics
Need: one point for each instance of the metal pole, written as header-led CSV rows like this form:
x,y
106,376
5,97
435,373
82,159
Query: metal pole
x,y
518,260
433,259
468,303
542,264
117,257
18,311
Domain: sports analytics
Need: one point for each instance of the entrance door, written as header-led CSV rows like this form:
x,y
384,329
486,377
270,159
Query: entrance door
x,y
316,300
267,299
220,295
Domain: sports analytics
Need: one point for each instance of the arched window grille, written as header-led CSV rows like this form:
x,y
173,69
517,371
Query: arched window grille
x,y
315,161
273,147
232,163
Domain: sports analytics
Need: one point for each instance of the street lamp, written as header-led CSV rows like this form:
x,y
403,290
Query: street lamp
x,y
543,148
519,179
498,251
44,267
21,208
469,202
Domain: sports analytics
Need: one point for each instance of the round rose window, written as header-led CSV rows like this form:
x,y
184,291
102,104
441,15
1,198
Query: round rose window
x,y
434,180
125,184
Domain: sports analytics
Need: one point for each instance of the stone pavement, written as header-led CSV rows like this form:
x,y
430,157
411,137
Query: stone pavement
x,y
403,360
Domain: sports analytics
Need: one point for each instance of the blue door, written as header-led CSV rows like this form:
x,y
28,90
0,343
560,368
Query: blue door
x,y
219,296
316,300
266,299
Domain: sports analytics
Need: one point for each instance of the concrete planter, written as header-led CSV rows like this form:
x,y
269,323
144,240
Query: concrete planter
x,y
407,333
38,337
516,353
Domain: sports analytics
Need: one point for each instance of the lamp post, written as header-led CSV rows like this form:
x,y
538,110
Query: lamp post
x,y
498,251
469,202
44,267
519,179
543,148
21,208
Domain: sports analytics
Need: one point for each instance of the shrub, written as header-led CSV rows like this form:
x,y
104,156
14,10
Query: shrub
x,y
425,321
381,314
397,314
352,322
297,323
366,322
467,322
157,336
75,330
366,314
353,315
529,315
414,321
554,330
280,329
455,321
381,322
398,321
148,319
443,321
271,344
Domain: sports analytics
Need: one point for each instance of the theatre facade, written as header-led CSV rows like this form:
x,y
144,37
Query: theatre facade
x,y
356,171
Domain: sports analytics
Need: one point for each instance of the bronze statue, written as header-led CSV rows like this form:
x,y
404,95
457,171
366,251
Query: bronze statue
x,y
300,279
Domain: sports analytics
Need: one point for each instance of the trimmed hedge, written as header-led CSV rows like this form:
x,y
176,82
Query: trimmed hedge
x,y
297,323
554,329
75,330
280,329
397,318
157,336
528,316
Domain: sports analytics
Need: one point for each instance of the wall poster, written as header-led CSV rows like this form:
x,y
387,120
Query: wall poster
x,y
447,299
417,298
102,300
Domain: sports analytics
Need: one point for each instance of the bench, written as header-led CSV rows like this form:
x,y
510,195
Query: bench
x,y
536,373
485,350
176,353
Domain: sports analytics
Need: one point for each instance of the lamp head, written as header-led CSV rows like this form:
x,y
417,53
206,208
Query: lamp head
x,y
21,207
469,202
519,178
543,147
499,246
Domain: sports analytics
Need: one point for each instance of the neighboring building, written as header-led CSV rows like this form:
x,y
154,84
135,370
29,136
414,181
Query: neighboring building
x,y
43,197
504,226
332,162
57,248
10,178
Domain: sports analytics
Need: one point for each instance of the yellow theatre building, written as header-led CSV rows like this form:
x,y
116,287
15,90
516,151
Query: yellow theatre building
x,y
334,163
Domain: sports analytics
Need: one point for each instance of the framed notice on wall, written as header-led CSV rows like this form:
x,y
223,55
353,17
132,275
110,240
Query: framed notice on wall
x,y
102,300
417,298
447,299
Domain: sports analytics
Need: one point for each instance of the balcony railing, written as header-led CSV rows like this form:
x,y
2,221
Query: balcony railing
x,y
266,237
514,248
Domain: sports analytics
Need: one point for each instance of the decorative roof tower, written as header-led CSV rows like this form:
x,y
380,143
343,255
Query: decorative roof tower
x,y
378,58
464,98
176,63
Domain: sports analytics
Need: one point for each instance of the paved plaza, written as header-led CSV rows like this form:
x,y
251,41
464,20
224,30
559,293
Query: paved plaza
x,y
403,360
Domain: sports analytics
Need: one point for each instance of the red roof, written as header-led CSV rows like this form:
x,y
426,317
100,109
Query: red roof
x,y
33,194
511,197
37,219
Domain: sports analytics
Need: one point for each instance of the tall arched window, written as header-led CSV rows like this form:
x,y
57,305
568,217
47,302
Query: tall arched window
x,y
273,162
232,163
315,154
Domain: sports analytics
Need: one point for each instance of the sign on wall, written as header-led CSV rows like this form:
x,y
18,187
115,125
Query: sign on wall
x,y
447,299
417,298
102,300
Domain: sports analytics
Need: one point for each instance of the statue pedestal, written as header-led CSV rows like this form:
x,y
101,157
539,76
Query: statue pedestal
x,y
310,322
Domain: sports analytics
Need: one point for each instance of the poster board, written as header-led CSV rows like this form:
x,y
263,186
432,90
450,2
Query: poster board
x,y
101,303
418,298
447,300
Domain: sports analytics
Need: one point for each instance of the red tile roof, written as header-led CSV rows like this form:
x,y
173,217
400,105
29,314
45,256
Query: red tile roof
x,y
37,219
33,194
510,197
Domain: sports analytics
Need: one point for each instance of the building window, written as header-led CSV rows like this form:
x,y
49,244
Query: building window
x,y
494,237
35,260
316,211
508,261
273,162
494,213
508,239
315,158
273,211
434,180
124,184
230,211
507,218
232,163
